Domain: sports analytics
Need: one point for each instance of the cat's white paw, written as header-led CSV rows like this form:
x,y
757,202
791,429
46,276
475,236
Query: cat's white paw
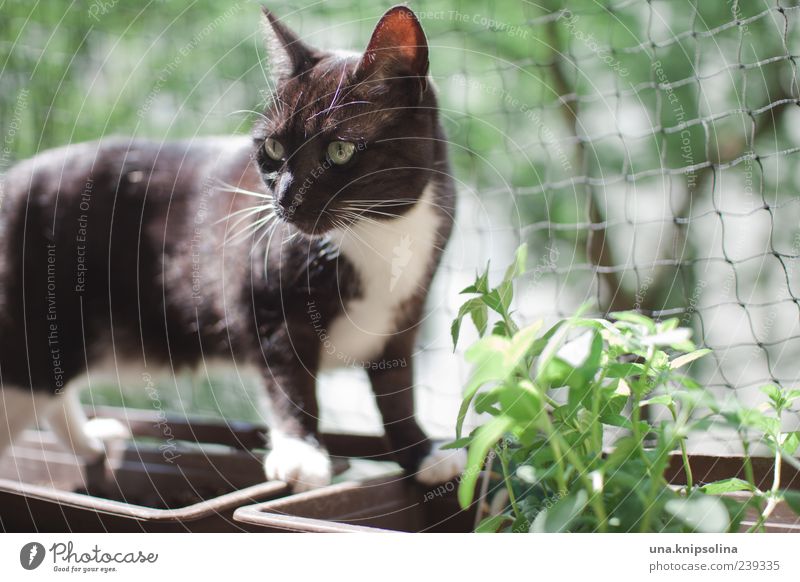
x,y
441,466
106,430
298,463
99,434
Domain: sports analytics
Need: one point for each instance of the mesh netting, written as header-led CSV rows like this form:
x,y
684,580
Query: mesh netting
x,y
647,151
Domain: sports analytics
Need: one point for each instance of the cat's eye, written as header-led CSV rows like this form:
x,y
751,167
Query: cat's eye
x,y
274,149
341,152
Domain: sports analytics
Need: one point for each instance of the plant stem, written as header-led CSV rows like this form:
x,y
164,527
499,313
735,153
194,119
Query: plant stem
x,y
749,474
595,501
597,426
687,468
772,501
501,453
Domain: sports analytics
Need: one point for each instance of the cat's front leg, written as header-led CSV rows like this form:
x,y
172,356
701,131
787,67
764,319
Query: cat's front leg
x,y
392,379
296,456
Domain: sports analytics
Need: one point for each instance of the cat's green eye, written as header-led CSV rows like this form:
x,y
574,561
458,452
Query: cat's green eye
x,y
274,149
341,152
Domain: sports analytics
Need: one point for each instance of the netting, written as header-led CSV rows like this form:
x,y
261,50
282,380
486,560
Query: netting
x,y
646,150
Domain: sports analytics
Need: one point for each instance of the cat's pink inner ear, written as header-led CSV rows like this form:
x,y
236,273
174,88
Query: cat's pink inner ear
x,y
398,41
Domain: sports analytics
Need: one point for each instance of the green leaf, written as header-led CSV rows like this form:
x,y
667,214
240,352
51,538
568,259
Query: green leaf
x,y
476,309
553,340
481,284
617,370
505,291
492,524
485,402
792,499
560,516
664,399
495,359
457,444
686,359
726,486
574,365
738,512
483,440
489,356
455,331
523,340
500,328
752,418
517,268
521,401
554,374
480,317
636,318
493,300
702,513
772,391
668,324
790,443
612,403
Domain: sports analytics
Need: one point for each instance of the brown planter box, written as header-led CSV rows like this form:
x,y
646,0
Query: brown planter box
x,y
388,504
43,488
196,487
219,487
399,504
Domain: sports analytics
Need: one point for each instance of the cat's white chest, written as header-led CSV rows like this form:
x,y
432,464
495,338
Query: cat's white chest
x,y
392,259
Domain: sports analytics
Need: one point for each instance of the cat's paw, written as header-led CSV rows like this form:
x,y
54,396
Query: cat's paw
x,y
298,463
441,466
95,437
99,434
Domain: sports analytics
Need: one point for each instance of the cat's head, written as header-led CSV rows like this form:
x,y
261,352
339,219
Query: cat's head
x,y
347,137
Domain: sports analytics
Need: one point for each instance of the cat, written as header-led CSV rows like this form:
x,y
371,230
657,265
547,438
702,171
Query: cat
x,y
309,245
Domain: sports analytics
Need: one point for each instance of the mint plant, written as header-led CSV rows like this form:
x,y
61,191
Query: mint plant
x,y
566,431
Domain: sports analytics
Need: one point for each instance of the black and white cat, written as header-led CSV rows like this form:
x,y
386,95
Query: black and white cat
x,y
310,245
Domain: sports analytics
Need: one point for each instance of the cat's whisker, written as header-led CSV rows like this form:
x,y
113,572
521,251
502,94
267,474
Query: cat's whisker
x,y
349,230
248,230
356,217
243,218
292,237
379,213
239,190
335,107
378,204
239,111
267,230
266,252
248,211
383,224
338,88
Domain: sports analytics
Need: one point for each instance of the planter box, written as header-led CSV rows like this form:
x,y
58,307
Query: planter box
x,y
151,484
217,486
399,504
43,488
389,504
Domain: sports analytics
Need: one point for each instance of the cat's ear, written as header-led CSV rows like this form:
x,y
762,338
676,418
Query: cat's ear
x,y
288,55
398,48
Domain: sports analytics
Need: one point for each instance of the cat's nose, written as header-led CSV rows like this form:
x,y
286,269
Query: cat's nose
x,y
283,192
